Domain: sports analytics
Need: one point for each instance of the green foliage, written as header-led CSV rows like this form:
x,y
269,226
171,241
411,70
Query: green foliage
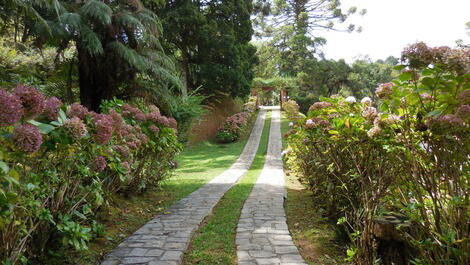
x,y
398,168
211,39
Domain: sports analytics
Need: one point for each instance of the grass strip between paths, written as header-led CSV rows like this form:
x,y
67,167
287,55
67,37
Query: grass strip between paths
x,y
214,242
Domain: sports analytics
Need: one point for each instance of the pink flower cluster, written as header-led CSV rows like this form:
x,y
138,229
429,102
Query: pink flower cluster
x,y
51,110
384,90
317,122
27,138
99,164
419,55
77,110
445,123
104,125
370,113
32,100
76,127
11,108
320,105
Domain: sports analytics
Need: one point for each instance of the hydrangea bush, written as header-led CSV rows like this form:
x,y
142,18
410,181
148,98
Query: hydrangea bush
x,y
402,157
234,127
59,164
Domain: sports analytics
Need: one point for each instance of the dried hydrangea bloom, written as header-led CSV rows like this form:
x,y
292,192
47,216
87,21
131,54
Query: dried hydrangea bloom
x,y
122,150
374,131
32,100
163,121
445,123
51,111
350,99
143,138
76,127
369,113
104,129
154,129
117,120
464,97
27,138
11,108
418,55
153,108
133,112
153,116
458,60
384,90
126,166
320,105
316,122
77,110
366,101
99,164
174,124
463,112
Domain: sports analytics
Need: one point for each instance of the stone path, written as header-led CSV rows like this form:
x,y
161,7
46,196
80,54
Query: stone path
x,y
262,233
163,240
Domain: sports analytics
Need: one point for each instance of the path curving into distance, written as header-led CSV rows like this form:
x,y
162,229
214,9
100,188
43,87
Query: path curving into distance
x,y
163,240
262,233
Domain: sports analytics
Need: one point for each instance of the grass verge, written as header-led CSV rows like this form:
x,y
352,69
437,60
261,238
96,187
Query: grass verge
x,y
313,235
198,164
214,242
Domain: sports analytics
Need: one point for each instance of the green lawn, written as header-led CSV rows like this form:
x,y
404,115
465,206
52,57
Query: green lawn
x,y
214,242
197,165
284,129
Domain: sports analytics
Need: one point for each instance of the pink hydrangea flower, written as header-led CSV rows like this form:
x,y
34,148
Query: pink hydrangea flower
x,y
154,129
104,128
374,131
320,105
173,123
369,113
32,100
463,112
77,110
51,111
384,90
122,150
27,138
12,110
99,164
464,97
76,127
366,101
126,166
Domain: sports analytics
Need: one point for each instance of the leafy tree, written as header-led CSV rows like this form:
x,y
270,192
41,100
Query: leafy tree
x,y
117,44
211,41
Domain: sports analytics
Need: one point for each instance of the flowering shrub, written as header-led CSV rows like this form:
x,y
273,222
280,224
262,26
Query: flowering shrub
x,y
395,170
59,164
233,127
292,110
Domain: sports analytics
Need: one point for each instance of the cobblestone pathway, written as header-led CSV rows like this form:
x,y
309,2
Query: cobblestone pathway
x,y
163,240
262,233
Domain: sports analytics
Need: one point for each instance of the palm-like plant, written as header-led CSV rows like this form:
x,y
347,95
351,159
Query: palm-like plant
x,y
116,41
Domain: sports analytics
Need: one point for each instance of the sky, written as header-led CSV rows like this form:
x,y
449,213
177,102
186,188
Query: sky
x,y
391,25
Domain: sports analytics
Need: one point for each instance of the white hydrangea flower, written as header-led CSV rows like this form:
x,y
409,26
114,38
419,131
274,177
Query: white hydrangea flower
x,y
366,101
309,122
350,99
291,124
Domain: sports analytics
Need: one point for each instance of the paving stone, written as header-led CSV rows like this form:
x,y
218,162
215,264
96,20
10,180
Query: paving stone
x,y
263,213
172,255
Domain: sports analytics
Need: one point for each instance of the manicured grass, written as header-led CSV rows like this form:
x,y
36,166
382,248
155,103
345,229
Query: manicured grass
x,y
284,129
313,236
214,242
197,165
